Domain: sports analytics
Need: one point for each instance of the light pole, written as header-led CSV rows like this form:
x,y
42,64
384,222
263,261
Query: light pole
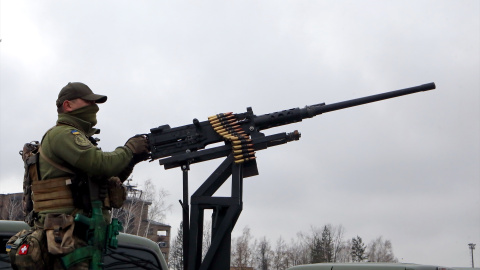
x,y
472,247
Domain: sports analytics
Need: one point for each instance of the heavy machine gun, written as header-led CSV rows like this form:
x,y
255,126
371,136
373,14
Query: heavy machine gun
x,y
242,137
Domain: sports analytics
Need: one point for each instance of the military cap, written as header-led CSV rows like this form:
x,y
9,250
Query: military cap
x,y
74,90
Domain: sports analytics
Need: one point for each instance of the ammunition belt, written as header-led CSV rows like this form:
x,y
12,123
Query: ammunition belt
x,y
52,194
227,126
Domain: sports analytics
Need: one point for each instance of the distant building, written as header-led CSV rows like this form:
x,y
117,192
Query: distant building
x,y
160,234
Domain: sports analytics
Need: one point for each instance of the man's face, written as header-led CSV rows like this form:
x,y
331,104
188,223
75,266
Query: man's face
x,y
77,104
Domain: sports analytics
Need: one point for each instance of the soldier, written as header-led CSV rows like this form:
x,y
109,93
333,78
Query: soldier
x,y
70,165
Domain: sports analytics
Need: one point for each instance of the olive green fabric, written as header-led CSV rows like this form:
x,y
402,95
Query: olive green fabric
x,y
87,114
67,144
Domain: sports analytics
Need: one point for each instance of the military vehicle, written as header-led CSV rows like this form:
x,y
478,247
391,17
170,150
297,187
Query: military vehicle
x,y
133,252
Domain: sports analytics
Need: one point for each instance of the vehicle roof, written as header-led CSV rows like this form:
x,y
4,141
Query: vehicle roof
x,y
377,266
11,227
141,242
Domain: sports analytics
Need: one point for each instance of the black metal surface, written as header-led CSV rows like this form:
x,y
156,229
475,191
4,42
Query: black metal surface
x,y
185,214
226,211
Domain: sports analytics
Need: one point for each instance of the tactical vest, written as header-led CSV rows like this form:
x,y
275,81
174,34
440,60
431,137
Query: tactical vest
x,y
43,195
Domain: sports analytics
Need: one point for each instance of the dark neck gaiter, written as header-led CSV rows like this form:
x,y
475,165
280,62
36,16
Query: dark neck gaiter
x,y
87,114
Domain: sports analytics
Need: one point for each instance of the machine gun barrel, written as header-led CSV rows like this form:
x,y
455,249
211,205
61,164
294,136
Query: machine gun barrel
x,y
296,115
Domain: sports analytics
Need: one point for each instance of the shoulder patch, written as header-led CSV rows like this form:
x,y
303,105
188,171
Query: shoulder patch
x,y
81,140
75,132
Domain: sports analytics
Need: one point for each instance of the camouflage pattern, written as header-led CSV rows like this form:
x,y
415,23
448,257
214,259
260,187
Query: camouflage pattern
x,y
27,250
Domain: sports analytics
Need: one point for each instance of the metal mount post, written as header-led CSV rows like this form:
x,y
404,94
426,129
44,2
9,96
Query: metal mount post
x,y
226,211
185,214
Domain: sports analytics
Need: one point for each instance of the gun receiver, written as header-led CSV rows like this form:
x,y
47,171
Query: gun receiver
x,y
186,144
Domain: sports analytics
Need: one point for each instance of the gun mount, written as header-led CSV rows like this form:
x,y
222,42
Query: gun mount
x,y
242,136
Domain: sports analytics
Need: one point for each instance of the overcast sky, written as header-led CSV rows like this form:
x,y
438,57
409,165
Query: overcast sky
x,y
406,169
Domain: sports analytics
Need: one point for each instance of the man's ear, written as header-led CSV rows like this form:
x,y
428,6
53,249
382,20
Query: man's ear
x,y
67,106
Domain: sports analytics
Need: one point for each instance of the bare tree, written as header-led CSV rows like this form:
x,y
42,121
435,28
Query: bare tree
x,y
145,199
280,255
158,208
337,240
242,251
14,207
297,253
128,214
380,251
302,248
292,254
264,255
344,255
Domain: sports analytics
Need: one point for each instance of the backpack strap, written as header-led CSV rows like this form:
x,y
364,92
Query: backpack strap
x,y
53,163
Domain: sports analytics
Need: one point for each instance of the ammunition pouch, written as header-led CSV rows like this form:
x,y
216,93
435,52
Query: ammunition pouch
x,y
59,232
27,250
117,193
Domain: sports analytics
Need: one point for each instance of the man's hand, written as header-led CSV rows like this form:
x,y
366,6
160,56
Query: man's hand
x,y
139,146
117,193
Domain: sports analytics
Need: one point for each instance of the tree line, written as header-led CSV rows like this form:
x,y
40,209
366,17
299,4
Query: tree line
x,y
324,244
